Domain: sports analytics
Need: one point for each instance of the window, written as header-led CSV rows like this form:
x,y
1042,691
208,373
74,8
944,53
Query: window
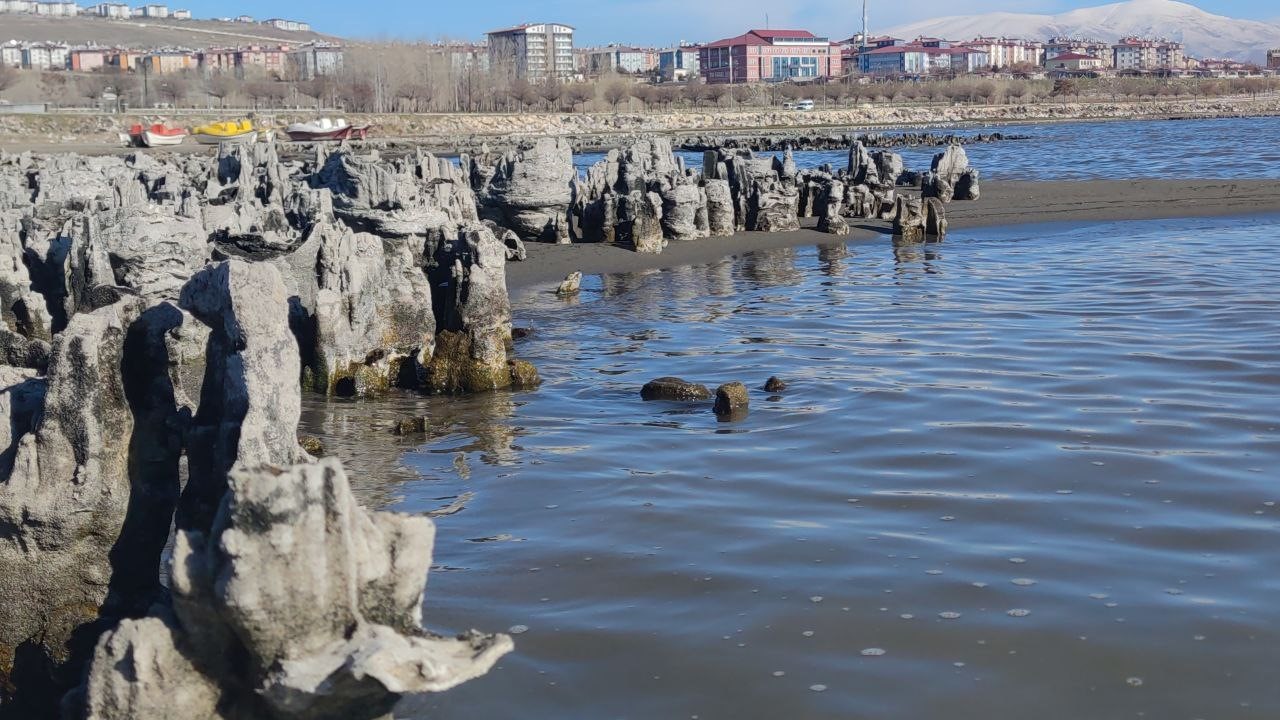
x,y
794,67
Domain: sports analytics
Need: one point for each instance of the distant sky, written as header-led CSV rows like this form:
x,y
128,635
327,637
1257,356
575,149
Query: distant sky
x,y
644,22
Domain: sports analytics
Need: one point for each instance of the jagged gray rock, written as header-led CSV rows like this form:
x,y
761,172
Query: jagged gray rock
x,y
529,190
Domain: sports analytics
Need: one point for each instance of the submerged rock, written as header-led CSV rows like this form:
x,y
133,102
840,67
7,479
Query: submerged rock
x,y
732,400
675,389
775,385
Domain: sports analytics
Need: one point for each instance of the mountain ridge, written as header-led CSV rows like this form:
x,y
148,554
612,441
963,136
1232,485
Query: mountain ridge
x,y
1204,34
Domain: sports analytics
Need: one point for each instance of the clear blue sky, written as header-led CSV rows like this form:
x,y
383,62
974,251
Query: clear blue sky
x,y
647,22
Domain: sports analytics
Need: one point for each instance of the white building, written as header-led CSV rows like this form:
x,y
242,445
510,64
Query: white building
x,y
181,15
311,61
1007,52
155,11
111,10
289,25
17,6
533,51
57,9
44,56
11,54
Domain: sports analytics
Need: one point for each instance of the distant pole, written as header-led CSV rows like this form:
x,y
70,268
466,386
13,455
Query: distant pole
x,y
864,34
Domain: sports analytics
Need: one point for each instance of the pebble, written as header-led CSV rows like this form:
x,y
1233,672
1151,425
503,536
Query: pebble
x,y
1023,582
818,688
518,629
873,652
1018,613
1134,682
949,615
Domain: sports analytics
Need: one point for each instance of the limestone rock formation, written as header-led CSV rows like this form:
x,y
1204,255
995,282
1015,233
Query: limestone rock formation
x,y
529,190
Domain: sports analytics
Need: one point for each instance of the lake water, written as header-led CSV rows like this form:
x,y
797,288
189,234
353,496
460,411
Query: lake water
x,y
1022,473
1246,148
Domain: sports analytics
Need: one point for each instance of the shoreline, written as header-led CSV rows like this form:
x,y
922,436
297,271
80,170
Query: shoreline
x,y
1003,203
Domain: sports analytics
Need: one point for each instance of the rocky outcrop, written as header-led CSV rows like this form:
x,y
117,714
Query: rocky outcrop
x,y
951,178
527,190
473,315
732,401
297,603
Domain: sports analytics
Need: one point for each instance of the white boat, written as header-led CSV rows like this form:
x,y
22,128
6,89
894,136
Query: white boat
x,y
326,129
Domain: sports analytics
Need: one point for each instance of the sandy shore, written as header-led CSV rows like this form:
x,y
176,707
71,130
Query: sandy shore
x,y
1002,203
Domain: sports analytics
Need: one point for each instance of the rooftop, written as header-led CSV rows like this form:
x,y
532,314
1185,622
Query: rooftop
x,y
765,37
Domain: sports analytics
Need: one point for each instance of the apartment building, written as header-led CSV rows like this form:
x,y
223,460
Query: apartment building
x,y
769,56
289,25
1007,52
45,56
1138,54
11,54
1074,63
168,63
678,64
155,12
1273,59
922,56
111,10
17,6
533,51
635,61
88,59
1078,46
312,61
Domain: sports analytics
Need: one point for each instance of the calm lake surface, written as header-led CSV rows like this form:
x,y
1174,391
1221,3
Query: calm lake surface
x,y
1246,148
1025,473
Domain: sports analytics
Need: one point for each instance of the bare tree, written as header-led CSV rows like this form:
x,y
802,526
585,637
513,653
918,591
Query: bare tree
x,y
551,91
615,93
94,86
8,77
319,88
580,94
695,93
174,88
742,94
716,93
220,86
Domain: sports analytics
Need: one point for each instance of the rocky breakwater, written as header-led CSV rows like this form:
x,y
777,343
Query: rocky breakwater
x,y
160,318
781,141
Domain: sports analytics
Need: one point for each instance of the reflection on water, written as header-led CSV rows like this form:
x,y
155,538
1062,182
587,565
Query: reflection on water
x,y
1236,148
1024,473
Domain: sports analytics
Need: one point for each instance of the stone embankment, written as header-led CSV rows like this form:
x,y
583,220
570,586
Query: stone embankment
x,y
162,315
454,132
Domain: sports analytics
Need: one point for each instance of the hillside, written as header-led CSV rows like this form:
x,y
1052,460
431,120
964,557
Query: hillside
x,y
1204,34
145,33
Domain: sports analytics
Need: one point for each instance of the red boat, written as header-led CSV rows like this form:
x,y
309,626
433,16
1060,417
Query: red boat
x,y
156,135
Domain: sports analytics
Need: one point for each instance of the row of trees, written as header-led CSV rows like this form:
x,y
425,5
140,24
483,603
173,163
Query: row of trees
x,y
375,83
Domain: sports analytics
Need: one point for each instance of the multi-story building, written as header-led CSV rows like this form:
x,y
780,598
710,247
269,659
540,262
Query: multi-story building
x,y
533,51
57,9
290,25
1005,53
1074,63
87,59
111,10
1138,54
922,56
181,15
44,56
679,63
1273,59
1077,46
257,59
769,56
124,60
464,56
169,62
17,6
312,61
11,54
635,61
156,12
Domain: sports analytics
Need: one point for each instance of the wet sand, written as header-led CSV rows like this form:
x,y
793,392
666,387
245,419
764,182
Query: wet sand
x,y
1002,203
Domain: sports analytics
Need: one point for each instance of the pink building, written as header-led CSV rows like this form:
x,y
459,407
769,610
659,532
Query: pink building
x,y
88,59
769,56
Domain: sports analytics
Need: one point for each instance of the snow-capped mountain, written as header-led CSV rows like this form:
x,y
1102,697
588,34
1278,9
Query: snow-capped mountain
x,y
1204,34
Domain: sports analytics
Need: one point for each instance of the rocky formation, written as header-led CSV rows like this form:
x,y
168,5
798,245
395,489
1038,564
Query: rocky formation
x,y
527,190
950,177
780,141
571,285
161,309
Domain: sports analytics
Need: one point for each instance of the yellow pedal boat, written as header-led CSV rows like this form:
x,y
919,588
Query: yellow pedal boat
x,y
225,131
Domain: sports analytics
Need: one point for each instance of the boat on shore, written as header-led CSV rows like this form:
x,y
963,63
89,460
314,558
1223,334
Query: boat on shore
x,y
156,135
241,131
325,129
